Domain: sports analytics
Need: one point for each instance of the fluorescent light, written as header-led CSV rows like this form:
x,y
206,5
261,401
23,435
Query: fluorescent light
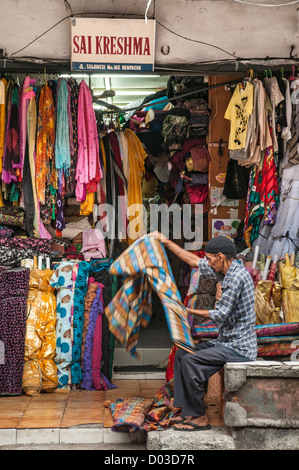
x,y
134,92
107,83
74,75
123,75
95,75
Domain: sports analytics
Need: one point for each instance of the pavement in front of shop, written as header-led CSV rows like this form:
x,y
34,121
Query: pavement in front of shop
x,y
80,420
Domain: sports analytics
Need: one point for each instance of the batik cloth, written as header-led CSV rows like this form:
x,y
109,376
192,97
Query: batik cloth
x,y
99,272
14,286
129,413
63,280
144,267
88,340
45,141
78,320
99,380
163,410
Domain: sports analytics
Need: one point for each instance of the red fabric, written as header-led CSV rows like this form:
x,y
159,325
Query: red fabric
x,y
169,371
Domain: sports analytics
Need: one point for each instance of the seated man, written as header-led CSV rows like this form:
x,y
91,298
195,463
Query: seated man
x,y
234,315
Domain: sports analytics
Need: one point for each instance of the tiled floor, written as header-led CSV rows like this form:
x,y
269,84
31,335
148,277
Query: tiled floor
x,y
81,407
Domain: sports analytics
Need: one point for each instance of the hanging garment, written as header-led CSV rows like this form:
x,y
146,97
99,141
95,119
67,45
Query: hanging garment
x,y
14,287
289,197
88,171
238,111
62,140
40,371
293,143
26,95
11,158
144,267
137,156
63,280
70,180
45,141
276,97
3,84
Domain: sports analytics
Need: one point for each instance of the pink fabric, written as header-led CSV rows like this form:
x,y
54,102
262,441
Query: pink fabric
x,y
88,163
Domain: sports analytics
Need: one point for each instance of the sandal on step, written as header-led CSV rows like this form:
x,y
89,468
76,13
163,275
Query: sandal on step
x,y
194,427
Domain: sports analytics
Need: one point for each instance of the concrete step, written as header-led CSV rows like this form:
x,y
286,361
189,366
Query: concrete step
x,y
216,438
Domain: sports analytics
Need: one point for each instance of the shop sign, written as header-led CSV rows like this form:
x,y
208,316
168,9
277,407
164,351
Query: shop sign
x,y
112,45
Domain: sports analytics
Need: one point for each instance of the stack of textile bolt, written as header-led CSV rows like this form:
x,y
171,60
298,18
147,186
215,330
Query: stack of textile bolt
x,y
53,331
276,304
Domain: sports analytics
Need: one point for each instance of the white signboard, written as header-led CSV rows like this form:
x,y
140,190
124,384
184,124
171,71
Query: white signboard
x,y
112,45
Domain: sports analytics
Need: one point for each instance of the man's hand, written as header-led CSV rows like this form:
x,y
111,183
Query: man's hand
x,y
218,291
158,235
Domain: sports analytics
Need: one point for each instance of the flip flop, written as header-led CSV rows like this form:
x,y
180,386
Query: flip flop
x,y
177,420
195,427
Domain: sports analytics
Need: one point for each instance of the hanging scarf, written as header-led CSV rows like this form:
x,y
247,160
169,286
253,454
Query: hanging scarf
x,y
62,141
11,157
45,141
137,156
88,171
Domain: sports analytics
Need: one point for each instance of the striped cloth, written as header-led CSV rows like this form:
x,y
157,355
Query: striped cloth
x,y
145,268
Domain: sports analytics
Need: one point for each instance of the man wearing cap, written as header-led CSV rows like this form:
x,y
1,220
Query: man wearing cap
x,y
233,315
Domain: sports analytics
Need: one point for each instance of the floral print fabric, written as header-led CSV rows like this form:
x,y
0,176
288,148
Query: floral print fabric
x,y
14,286
63,280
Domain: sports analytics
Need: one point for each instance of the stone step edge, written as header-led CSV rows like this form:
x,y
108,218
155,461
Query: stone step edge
x,y
84,434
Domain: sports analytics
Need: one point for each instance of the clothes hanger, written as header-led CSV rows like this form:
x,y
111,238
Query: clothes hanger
x,y
292,77
282,72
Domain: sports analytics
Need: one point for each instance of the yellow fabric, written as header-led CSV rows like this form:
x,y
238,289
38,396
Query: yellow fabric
x,y
86,207
3,84
45,141
137,155
267,303
40,371
238,111
289,275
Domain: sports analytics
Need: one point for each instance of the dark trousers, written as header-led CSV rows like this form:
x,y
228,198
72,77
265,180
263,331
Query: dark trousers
x,y
191,371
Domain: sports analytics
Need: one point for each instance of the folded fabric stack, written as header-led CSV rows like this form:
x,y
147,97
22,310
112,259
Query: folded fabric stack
x,y
15,249
273,340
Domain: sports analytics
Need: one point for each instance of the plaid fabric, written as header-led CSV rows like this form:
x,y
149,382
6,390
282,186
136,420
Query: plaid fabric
x,y
144,267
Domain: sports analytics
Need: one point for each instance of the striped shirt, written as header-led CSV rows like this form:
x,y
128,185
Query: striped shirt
x,y
234,313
